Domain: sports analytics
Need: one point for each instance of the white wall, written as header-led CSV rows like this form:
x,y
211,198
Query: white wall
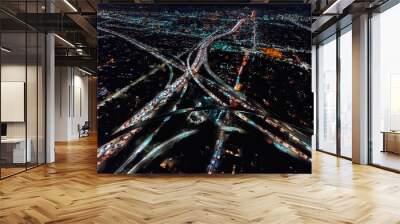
x,y
12,73
33,127
71,102
80,110
17,73
61,103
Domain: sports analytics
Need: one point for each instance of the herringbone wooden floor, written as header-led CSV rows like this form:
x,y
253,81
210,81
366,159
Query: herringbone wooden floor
x,y
70,191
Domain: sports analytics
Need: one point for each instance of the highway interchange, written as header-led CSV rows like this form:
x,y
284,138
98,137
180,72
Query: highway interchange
x,y
284,136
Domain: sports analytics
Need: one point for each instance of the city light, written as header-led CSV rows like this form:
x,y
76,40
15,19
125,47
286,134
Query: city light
x,y
211,91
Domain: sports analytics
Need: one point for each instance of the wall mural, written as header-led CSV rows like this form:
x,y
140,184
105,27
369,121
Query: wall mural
x,y
213,89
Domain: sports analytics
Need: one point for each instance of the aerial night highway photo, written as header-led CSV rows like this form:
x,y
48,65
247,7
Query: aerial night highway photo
x,y
213,89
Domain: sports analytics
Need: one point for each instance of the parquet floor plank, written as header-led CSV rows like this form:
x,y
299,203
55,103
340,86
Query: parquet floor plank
x,y
70,191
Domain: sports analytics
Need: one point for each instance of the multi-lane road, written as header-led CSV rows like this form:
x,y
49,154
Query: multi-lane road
x,y
288,140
